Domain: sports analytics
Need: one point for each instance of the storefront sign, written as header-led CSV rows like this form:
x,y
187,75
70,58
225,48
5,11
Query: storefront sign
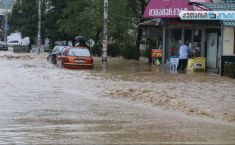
x,y
165,12
166,8
156,53
208,15
169,8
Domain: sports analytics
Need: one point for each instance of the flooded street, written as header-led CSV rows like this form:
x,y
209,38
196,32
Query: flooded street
x,y
127,102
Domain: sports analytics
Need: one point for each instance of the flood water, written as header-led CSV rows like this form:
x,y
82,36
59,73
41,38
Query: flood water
x,y
42,104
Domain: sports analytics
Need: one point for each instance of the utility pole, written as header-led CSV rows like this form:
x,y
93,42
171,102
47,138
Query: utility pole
x,y
105,35
6,26
6,3
39,26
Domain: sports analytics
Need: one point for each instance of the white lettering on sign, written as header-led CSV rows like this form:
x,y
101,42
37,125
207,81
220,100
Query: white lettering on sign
x,y
166,12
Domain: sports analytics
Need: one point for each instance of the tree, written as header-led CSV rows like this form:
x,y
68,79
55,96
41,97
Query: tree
x,y
65,19
24,18
138,7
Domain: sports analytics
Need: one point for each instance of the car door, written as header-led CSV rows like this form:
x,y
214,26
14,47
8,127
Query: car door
x,y
60,59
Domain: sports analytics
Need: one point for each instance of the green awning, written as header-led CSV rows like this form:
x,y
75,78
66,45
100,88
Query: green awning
x,y
231,1
228,5
223,6
229,23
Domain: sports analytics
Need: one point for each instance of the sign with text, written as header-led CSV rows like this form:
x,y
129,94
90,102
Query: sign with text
x,y
208,15
169,8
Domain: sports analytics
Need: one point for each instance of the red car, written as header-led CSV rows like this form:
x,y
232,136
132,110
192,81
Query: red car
x,y
75,58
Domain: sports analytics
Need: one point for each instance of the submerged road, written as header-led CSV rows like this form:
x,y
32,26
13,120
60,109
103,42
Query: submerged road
x,y
41,104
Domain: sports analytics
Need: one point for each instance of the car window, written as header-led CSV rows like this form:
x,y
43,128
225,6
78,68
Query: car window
x,y
79,52
55,50
58,49
61,49
14,41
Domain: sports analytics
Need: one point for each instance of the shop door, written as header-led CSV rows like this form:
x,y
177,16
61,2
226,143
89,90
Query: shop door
x,y
212,50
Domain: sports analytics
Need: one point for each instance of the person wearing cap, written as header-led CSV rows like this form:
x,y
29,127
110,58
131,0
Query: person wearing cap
x,y
81,42
183,57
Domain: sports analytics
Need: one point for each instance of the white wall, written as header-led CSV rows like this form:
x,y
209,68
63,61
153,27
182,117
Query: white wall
x,y
14,36
228,41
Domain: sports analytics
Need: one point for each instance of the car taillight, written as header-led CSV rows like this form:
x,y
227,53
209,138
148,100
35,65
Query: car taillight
x,y
92,62
66,60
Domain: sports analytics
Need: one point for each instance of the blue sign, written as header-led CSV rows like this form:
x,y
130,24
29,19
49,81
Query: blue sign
x,y
208,15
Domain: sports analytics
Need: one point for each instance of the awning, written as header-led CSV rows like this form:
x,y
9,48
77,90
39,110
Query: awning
x,y
225,6
229,23
151,28
170,8
153,22
228,6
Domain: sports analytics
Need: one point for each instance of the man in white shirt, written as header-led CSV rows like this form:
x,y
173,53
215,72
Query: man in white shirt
x,y
183,57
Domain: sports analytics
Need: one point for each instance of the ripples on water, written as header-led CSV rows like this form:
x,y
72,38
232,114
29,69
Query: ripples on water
x,y
41,104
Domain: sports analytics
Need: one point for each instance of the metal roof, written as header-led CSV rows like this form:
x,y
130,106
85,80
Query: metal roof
x,y
153,22
223,6
231,1
229,23
228,5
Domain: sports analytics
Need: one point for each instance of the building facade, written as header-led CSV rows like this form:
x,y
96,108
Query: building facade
x,y
209,39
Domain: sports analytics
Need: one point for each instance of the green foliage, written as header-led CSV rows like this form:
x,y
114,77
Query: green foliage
x,y
114,50
65,19
24,18
128,51
96,50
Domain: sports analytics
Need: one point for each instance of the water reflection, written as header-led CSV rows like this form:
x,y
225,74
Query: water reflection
x,y
41,104
141,71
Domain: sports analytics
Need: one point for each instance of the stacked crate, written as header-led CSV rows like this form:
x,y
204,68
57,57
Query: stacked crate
x,y
229,69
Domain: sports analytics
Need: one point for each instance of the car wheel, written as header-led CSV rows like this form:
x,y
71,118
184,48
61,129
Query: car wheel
x,y
48,58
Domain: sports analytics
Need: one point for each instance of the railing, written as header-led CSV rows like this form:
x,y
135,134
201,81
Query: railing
x,y
229,69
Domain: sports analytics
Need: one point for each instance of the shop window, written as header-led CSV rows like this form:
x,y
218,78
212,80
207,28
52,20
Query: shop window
x,y
188,36
196,44
173,41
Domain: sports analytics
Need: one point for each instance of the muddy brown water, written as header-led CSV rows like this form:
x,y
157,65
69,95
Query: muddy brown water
x,y
41,104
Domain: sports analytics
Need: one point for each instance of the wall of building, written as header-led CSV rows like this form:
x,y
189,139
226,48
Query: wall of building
x,y
228,41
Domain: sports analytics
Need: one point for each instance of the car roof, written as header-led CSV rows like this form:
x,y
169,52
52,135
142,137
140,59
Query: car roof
x,y
13,41
78,47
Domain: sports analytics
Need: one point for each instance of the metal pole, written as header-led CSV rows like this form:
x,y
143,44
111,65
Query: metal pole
x,y
6,24
105,37
39,26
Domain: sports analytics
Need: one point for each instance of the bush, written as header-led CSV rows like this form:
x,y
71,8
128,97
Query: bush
x,y
128,51
113,50
96,50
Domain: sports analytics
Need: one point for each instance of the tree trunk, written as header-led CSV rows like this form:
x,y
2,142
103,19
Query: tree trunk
x,y
97,37
140,33
137,44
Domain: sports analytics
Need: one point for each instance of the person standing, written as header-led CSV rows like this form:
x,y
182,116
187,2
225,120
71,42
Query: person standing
x,y
183,57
